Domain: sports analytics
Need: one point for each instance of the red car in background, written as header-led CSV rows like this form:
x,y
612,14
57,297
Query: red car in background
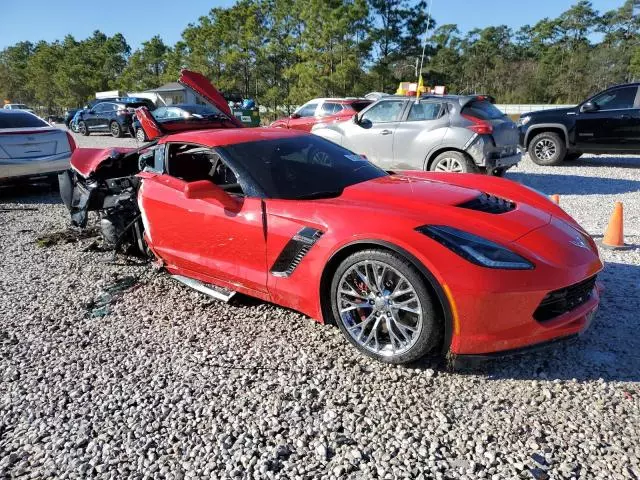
x,y
322,110
404,263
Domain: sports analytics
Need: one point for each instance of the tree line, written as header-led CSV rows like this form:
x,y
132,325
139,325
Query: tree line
x,y
285,52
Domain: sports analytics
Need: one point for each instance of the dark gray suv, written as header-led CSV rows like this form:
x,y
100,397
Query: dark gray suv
x,y
449,133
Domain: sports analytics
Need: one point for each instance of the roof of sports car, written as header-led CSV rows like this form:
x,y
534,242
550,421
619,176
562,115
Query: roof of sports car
x,y
230,136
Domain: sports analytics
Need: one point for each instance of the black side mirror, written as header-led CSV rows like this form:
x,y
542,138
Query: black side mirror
x,y
294,115
589,107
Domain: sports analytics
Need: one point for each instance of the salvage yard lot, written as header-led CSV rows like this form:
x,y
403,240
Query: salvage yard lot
x,y
171,384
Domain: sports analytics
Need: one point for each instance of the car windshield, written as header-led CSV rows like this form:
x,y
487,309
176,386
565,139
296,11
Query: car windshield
x,y
21,120
301,167
186,113
483,109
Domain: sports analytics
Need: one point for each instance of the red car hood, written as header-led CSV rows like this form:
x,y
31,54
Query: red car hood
x,y
410,195
86,161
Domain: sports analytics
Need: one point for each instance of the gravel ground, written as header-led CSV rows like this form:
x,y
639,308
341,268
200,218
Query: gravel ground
x,y
171,384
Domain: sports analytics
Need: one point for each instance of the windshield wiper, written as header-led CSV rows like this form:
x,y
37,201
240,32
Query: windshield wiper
x,y
314,195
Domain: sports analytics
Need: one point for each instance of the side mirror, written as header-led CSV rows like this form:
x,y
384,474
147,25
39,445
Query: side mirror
x,y
589,107
207,190
294,115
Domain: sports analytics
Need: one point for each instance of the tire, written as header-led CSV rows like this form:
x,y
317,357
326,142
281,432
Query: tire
x,y
422,330
140,135
115,129
452,161
547,148
571,156
82,129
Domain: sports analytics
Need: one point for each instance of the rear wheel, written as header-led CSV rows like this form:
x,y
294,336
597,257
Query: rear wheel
x,y
115,129
383,307
547,148
82,129
452,161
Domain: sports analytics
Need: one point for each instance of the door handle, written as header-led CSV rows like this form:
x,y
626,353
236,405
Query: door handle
x,y
386,132
625,116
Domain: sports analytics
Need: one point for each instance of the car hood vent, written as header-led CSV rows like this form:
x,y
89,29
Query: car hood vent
x,y
489,204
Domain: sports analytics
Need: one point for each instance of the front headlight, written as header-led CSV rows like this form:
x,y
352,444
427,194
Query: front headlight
x,y
524,120
476,249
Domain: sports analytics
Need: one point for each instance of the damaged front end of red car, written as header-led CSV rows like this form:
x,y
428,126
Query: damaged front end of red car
x,y
106,181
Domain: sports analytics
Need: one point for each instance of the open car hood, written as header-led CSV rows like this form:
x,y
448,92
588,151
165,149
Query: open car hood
x,y
202,87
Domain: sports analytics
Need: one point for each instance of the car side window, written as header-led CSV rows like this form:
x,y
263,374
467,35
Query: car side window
x,y
191,163
424,111
617,99
385,111
308,110
330,108
99,108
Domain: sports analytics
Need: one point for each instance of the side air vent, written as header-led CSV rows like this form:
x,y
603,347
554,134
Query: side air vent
x,y
294,251
489,204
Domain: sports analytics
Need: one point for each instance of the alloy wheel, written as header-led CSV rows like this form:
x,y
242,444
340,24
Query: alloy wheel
x,y
379,307
449,164
545,149
115,129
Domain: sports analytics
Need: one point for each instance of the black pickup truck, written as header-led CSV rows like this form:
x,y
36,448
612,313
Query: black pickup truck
x,y
608,122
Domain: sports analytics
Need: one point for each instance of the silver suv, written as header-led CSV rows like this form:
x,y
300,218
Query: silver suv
x,y
448,133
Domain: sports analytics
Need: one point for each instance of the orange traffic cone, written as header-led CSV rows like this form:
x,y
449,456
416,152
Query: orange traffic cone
x,y
555,198
614,235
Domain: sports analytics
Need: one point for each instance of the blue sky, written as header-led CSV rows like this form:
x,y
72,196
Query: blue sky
x,y
139,20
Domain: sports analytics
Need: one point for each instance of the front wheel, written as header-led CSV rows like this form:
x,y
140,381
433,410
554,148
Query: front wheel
x,y
455,162
383,307
115,129
547,149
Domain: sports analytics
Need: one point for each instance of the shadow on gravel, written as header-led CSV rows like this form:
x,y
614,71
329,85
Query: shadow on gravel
x,y
41,193
574,184
610,349
609,162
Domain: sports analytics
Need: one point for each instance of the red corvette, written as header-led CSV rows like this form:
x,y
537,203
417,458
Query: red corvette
x,y
405,263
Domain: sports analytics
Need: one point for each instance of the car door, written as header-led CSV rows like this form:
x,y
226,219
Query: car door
x,y
100,119
89,116
305,117
614,123
422,128
373,133
201,237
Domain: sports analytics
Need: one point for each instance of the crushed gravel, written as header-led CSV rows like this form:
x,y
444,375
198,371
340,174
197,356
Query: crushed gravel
x,y
171,384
